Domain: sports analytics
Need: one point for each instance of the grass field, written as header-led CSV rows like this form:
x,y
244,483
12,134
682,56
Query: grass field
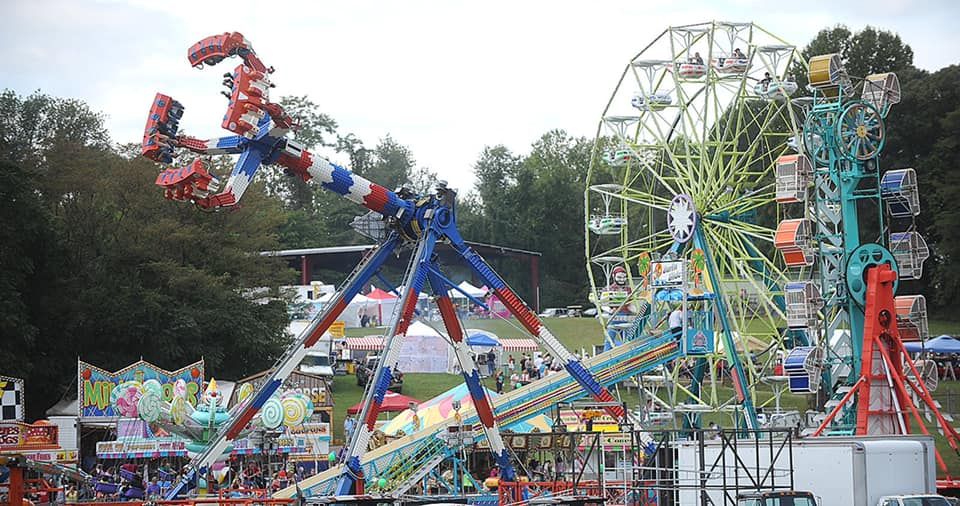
x,y
583,333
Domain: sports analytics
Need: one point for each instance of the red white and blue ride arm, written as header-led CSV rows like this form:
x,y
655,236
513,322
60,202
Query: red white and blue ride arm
x,y
471,376
239,423
532,323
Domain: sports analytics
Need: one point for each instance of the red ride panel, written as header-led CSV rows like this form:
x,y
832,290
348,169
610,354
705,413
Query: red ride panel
x,y
377,199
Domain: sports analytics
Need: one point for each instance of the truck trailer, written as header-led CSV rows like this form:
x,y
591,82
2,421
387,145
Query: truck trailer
x,y
839,471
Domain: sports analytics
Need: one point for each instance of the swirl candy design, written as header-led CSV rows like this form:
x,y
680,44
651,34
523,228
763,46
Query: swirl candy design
x,y
272,413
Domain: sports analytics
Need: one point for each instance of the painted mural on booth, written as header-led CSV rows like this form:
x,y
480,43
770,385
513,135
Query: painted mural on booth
x,y
96,387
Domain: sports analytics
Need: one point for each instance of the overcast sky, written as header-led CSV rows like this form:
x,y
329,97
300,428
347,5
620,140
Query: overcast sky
x,y
445,78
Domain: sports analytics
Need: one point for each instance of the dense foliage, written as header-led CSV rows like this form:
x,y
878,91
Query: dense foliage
x,y
96,265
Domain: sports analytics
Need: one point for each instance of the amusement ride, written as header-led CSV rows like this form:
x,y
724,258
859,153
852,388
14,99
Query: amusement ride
x,y
716,189
718,202
684,168
399,219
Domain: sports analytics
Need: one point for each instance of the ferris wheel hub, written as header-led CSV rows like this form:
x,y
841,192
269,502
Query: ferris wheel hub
x,y
682,218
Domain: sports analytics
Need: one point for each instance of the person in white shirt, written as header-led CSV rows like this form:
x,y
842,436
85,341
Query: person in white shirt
x,y
675,321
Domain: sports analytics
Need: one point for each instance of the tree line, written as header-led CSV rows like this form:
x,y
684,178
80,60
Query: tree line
x,y
97,265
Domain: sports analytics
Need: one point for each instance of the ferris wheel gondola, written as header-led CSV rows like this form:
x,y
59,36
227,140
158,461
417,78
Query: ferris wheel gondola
x,y
608,222
651,75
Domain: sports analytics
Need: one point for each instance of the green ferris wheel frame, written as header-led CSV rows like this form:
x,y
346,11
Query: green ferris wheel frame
x,y
715,138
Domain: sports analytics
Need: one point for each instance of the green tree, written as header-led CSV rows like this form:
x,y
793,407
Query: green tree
x,y
124,273
865,52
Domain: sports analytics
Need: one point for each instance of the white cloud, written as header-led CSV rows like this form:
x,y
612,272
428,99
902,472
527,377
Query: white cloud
x,y
445,78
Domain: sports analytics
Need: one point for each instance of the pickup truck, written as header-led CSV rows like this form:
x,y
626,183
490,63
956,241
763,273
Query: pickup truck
x,y
366,369
777,498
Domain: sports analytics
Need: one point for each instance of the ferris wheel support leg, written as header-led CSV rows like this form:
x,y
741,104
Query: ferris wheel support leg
x,y
537,329
287,363
471,375
737,373
350,480
696,381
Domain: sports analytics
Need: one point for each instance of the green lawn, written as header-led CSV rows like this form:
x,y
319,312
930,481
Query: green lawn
x,y
582,333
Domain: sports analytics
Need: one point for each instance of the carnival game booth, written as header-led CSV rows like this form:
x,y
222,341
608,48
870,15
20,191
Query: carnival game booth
x,y
317,388
33,448
97,388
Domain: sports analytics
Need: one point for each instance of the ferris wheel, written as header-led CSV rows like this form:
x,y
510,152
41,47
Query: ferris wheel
x,y
684,168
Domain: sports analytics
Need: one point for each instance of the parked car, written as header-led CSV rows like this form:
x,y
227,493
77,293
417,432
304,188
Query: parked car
x,y
317,363
914,500
366,369
553,312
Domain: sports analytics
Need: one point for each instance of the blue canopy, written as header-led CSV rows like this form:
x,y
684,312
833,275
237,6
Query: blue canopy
x,y
482,338
941,344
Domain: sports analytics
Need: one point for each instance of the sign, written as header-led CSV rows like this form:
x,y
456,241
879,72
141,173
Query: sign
x,y
94,385
56,456
338,329
24,436
139,448
667,273
11,399
315,387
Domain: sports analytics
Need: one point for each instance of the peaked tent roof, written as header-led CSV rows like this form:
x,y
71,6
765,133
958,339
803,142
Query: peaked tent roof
x,y
419,328
477,337
378,294
466,287
392,402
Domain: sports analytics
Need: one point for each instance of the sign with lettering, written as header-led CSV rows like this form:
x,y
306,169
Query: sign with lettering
x,y
94,385
25,436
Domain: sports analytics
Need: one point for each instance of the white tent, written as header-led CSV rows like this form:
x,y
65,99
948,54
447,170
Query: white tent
x,y
421,349
466,287
351,314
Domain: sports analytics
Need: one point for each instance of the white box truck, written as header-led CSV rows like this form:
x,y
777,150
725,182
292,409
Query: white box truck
x,y
840,471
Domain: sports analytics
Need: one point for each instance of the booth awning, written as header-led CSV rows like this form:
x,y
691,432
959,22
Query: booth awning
x,y
366,343
519,344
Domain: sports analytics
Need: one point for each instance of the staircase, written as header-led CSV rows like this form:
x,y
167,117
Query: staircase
x,y
631,358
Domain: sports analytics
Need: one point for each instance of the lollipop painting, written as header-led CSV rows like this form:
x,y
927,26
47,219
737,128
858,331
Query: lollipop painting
x,y
200,423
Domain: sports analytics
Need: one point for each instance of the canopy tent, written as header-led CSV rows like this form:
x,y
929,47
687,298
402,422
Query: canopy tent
x,y
385,303
351,314
440,408
466,287
392,402
482,338
941,344
378,294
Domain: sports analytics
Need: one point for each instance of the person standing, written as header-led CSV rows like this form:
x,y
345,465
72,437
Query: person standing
x,y
499,382
491,362
348,426
675,321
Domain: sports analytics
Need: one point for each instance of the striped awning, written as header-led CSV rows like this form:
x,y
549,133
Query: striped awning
x,y
519,344
366,343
